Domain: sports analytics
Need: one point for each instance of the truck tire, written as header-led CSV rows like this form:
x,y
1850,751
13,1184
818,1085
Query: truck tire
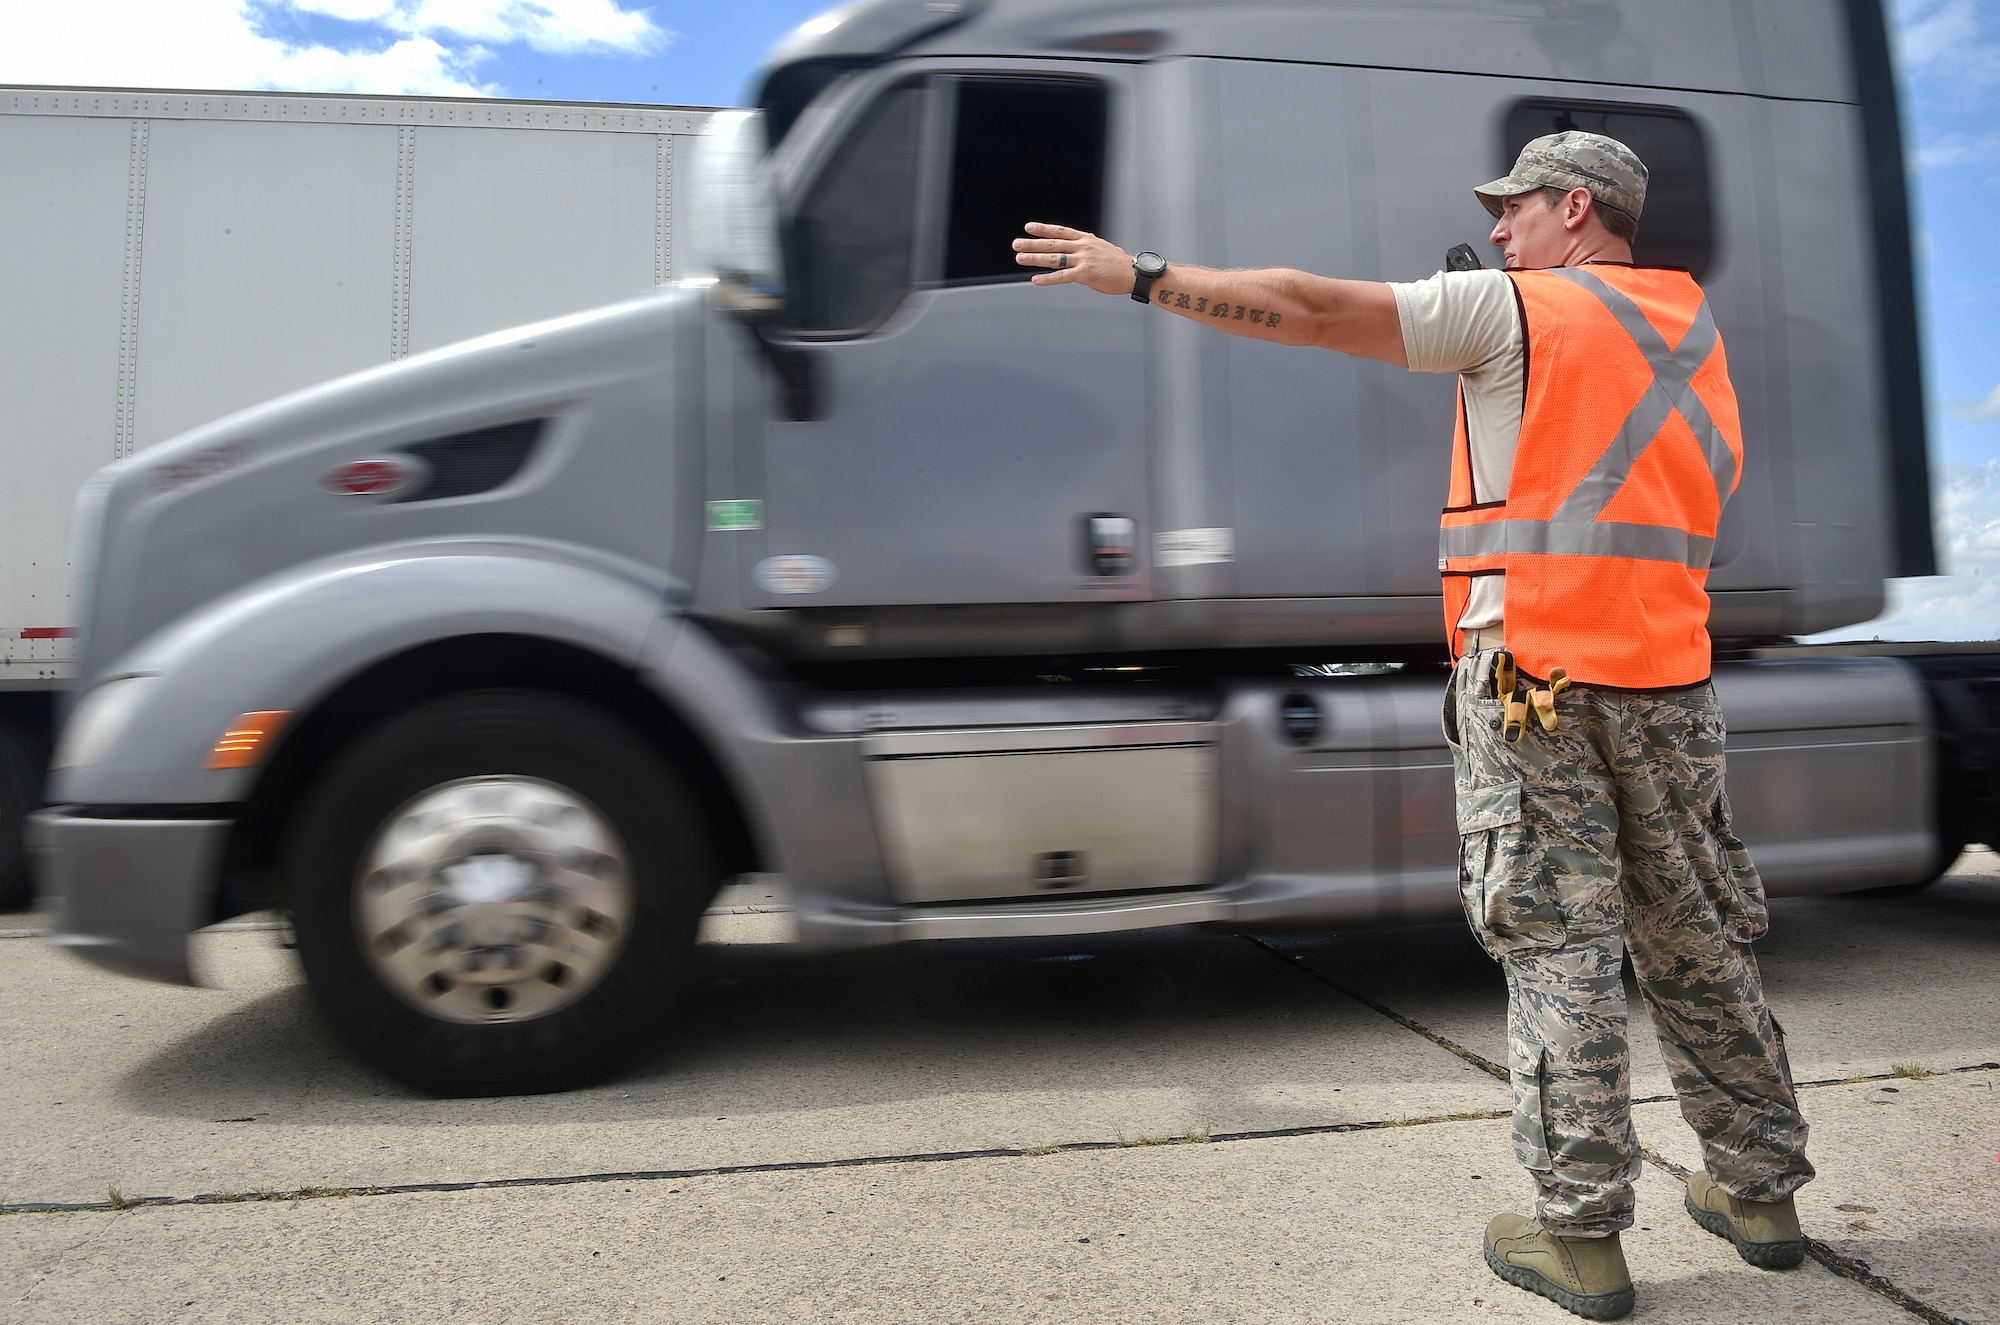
x,y
497,894
20,793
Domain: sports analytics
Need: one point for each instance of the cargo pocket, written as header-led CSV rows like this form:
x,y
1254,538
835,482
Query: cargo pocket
x,y
1745,917
1509,900
1527,1066
1448,718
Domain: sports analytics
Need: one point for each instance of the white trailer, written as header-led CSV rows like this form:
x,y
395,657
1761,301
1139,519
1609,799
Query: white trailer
x,y
167,258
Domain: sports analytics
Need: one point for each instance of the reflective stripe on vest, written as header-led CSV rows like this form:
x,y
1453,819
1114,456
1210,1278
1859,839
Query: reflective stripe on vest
x,y
1670,393
1578,584
1641,542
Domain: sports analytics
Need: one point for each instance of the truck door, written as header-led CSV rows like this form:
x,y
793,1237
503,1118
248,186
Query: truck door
x,y
969,426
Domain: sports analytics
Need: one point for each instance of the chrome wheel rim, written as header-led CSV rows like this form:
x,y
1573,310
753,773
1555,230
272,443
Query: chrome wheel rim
x,y
493,899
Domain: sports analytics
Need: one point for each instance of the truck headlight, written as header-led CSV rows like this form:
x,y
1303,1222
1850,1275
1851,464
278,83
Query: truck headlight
x,y
99,719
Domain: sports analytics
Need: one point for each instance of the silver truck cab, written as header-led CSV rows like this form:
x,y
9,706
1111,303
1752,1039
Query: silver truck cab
x,y
970,607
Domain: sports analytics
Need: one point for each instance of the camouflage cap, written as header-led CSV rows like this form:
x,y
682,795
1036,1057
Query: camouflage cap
x,y
1573,159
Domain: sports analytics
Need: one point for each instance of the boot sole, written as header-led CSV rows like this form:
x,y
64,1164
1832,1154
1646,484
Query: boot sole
x,y
1591,1306
1763,1255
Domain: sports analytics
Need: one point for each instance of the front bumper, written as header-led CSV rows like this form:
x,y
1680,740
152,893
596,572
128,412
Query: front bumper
x,y
129,891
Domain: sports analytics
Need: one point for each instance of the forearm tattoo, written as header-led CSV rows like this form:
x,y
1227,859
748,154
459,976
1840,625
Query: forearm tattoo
x,y
1199,306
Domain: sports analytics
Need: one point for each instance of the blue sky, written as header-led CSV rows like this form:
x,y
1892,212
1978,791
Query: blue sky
x,y
703,56
702,52
1950,56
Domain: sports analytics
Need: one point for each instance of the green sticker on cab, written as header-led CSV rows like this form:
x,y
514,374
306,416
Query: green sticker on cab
x,y
739,514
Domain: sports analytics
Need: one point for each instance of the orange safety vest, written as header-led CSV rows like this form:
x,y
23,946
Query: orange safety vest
x,y
1630,445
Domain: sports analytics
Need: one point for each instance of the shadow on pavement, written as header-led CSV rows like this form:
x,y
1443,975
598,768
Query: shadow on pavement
x,y
1212,1016
769,1030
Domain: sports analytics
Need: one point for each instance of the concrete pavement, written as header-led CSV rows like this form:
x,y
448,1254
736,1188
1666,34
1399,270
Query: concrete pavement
x,y
930,1133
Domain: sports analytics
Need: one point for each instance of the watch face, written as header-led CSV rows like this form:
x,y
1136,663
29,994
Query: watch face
x,y
1149,264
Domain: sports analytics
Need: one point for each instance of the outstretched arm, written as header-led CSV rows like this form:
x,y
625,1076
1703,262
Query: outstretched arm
x,y
1277,304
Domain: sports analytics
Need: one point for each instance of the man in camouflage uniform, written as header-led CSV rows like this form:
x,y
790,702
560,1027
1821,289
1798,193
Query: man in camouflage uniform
x,y
1611,833
1601,828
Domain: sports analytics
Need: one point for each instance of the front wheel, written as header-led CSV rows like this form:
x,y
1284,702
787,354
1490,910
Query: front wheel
x,y
497,894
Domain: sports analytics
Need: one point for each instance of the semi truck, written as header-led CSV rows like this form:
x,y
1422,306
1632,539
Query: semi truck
x,y
971,608
167,258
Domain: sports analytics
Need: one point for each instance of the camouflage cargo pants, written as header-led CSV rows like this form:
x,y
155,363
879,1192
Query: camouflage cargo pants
x,y
1612,832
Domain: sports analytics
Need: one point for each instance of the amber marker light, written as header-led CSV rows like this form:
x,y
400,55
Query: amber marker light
x,y
244,743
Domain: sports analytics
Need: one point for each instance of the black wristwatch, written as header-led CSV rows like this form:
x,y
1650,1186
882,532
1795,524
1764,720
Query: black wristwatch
x,y
1146,268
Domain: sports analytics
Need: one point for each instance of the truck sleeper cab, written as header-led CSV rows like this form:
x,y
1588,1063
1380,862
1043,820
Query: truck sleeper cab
x,y
972,608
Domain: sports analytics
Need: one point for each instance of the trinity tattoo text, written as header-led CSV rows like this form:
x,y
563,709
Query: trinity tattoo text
x,y
1229,312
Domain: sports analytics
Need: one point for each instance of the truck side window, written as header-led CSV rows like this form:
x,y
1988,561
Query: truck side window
x,y
851,242
1678,229
1022,150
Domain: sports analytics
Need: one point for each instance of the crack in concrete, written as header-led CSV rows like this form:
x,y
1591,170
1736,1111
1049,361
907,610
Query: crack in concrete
x,y
732,1170
1849,1268
62,1258
1846,1267
1299,961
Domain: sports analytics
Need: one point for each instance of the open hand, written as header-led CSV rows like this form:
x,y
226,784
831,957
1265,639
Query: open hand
x,y
1064,256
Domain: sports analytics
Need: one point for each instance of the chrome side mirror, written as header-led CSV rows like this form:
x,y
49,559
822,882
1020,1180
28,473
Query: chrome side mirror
x,y
735,239
734,230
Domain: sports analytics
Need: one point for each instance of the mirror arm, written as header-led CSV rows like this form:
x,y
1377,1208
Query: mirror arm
x,y
793,366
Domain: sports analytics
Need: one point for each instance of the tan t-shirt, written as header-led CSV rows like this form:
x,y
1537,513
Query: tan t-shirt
x,y
1467,322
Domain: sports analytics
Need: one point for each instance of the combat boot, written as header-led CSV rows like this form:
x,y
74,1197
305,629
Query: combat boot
x,y
1766,1233
1583,1275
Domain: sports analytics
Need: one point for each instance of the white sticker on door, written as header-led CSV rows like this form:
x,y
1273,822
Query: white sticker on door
x,y
1193,547
794,573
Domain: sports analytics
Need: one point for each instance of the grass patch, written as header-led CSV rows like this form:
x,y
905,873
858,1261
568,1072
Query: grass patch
x,y
1472,1116
120,1201
1042,1150
1198,1136
1911,1071
268,1194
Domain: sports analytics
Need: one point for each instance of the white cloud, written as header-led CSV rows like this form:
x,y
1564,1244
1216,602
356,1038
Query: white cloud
x,y
1964,604
1975,411
418,47
1955,149
1929,28
354,11
1944,39
558,27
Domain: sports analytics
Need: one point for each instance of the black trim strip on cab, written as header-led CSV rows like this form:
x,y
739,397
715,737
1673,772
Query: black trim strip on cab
x,y
1895,291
